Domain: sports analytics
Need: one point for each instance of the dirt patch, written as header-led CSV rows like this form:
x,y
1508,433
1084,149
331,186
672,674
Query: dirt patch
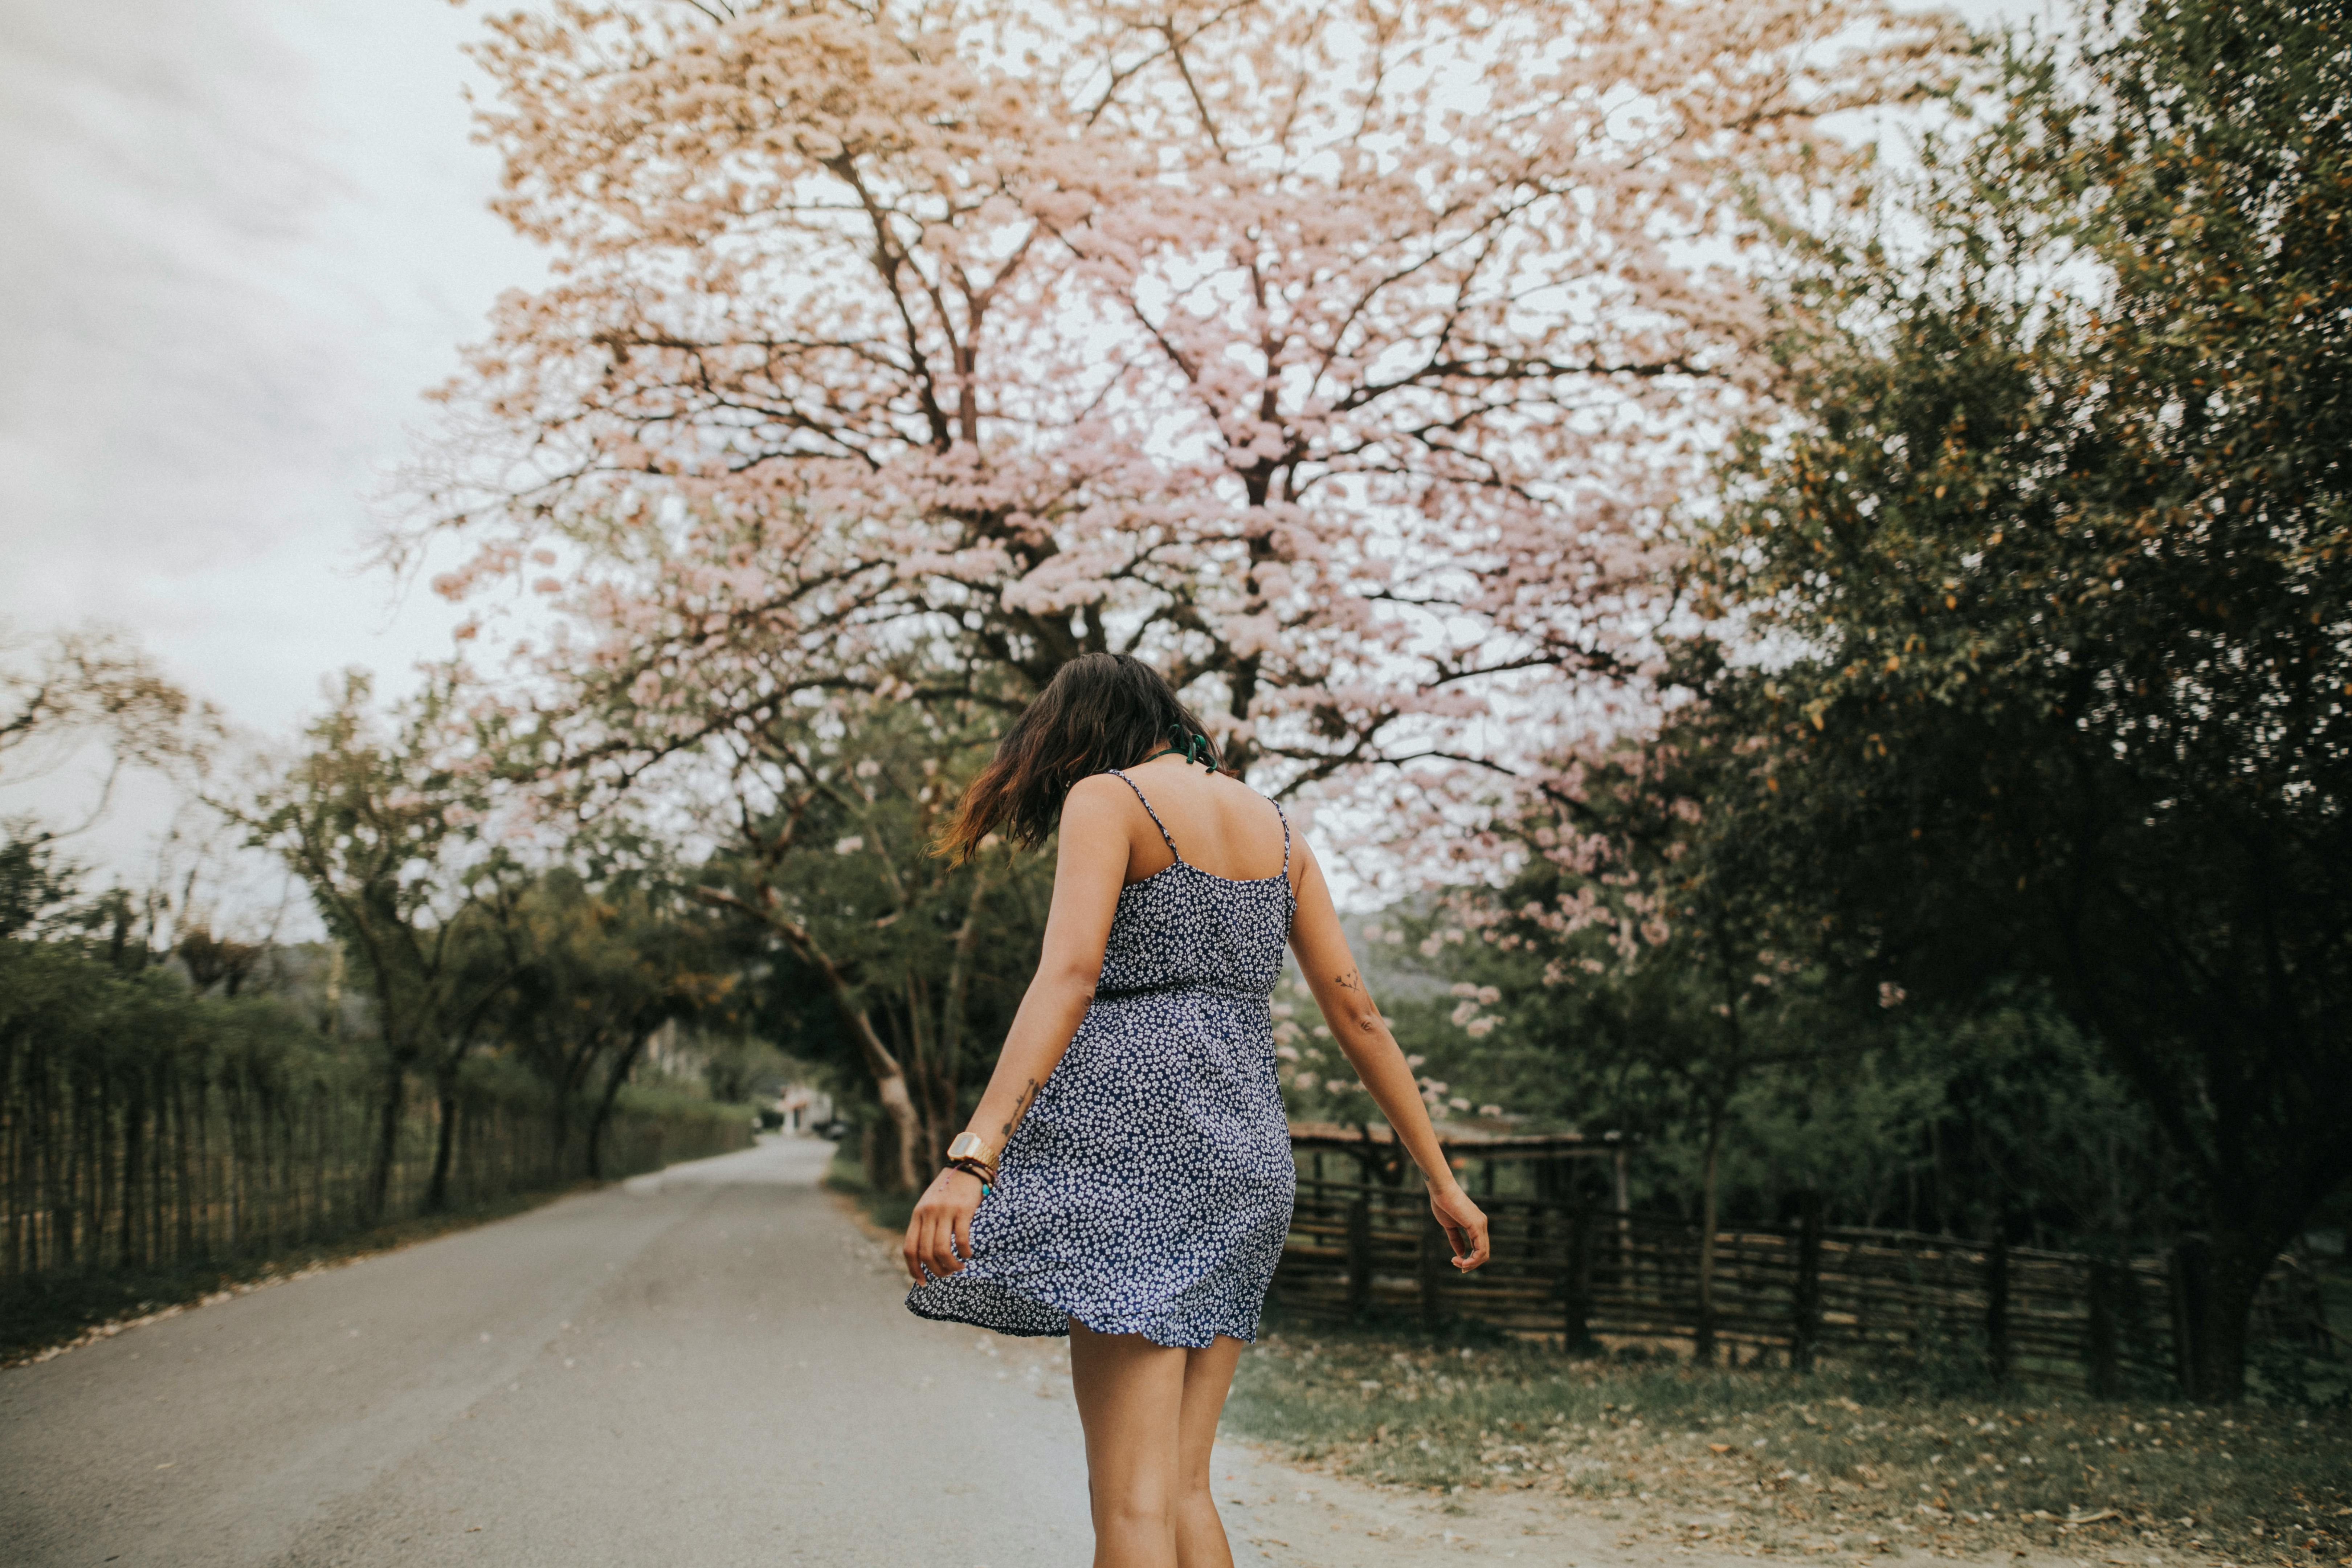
x,y
1299,1516
1843,1462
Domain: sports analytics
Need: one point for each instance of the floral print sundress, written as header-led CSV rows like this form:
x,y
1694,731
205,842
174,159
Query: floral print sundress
x,y
1149,1189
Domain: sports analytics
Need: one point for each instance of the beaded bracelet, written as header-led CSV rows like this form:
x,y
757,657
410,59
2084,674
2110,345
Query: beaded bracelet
x,y
974,1168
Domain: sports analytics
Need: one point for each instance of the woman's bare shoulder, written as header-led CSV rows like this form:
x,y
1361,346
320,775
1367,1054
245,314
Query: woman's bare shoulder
x,y
1097,794
1241,789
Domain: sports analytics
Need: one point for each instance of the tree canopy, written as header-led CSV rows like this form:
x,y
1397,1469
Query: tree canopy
x,y
2060,549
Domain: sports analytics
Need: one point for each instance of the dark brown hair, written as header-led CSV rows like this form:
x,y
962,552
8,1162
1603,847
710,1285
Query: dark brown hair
x,y
1100,710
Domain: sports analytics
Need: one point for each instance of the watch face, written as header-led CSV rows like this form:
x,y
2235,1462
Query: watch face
x,y
966,1143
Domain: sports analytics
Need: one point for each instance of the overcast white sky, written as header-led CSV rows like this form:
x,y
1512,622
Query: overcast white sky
x,y
238,240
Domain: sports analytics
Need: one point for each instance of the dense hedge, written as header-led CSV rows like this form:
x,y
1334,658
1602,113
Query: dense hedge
x,y
143,1125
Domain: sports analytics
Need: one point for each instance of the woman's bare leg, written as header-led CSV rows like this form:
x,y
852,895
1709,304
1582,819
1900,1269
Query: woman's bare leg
x,y
1133,1397
1199,1534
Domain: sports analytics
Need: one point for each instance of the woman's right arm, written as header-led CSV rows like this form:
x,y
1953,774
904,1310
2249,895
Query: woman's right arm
x,y
1088,872
1363,1035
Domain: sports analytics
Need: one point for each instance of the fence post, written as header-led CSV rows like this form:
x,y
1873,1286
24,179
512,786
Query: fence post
x,y
2185,1272
2103,1369
1435,1251
1703,1297
1359,1255
1622,1191
1805,1327
1996,1288
1576,1283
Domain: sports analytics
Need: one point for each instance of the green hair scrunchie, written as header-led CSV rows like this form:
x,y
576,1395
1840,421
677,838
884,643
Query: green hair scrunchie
x,y
1194,745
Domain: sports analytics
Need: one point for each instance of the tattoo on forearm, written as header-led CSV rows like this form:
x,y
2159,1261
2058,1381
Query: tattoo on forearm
x,y
1028,1093
1352,982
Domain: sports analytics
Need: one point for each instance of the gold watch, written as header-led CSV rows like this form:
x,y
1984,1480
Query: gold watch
x,y
971,1146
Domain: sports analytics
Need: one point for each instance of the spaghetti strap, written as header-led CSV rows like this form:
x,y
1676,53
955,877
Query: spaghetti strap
x,y
1164,826
1286,838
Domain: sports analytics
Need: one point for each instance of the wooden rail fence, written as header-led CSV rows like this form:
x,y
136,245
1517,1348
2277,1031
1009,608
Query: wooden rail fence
x,y
1576,1274
151,1168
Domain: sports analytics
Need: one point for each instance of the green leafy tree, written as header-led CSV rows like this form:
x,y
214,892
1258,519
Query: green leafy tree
x,y
1678,941
738,1068
2061,553
590,975
40,891
828,855
381,823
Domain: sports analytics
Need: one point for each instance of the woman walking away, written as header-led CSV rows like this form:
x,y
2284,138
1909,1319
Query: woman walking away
x,y
1126,1178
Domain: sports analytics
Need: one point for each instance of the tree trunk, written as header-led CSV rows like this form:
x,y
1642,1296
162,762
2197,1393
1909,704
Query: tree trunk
x,y
622,1068
387,1143
933,1096
559,1133
1805,1331
905,1123
951,1026
445,1150
2235,1261
889,1077
134,1116
1703,1338
186,1164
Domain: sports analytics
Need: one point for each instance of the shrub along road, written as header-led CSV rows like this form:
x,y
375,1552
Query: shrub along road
x,y
707,1367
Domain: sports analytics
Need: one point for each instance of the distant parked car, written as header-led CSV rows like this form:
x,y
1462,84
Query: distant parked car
x,y
834,1130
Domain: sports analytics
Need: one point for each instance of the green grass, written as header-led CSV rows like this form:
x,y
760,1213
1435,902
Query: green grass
x,y
41,1314
1841,1458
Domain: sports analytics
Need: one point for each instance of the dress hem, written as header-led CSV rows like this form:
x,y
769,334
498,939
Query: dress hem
x,y
938,1315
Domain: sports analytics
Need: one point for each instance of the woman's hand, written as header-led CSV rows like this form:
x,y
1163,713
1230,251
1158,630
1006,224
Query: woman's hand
x,y
1464,1224
939,1237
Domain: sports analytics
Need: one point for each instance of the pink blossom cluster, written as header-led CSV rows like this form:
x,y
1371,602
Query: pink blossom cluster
x,y
1352,361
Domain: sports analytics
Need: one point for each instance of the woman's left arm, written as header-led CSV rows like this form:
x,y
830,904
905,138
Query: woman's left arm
x,y
1089,870
1364,1039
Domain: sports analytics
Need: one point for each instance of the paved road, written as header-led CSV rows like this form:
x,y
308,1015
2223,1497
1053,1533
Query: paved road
x,y
698,1370
709,1367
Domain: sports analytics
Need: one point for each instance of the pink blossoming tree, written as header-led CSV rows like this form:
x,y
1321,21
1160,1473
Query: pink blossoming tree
x,y
1349,362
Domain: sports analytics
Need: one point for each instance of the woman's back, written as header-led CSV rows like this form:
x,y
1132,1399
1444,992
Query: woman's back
x,y
1213,822
1181,926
